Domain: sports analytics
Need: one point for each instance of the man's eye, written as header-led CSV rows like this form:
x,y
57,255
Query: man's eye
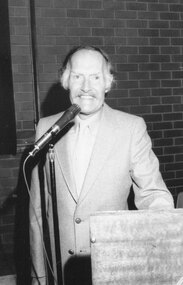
x,y
95,77
77,76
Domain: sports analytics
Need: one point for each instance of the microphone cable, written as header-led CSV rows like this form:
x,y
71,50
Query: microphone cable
x,y
37,220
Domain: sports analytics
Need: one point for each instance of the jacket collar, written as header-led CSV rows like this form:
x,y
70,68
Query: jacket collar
x,y
102,148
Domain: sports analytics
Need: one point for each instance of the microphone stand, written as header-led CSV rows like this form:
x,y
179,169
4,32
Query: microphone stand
x,y
40,144
55,215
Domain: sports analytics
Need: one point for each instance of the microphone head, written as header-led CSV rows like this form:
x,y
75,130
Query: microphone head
x,y
75,109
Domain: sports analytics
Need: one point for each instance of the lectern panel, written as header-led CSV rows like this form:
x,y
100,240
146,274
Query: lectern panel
x,y
137,247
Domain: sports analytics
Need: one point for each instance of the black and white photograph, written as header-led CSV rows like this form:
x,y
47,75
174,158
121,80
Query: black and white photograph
x,y
91,144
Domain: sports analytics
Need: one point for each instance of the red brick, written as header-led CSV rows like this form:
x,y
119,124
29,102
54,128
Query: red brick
x,y
128,102
138,58
169,33
179,141
95,41
162,109
148,15
139,92
158,7
172,83
43,3
176,7
79,13
176,24
173,116
116,5
140,110
114,41
149,101
137,41
169,16
149,83
136,6
159,58
114,23
126,50
149,50
170,50
139,75
65,4
177,41
171,100
122,32
85,32
177,74
107,13
161,92
90,23
53,12
90,4
159,42
160,75
153,117
20,21
127,67
162,143
148,32
149,66
173,133
156,134
159,24
126,14
102,32
178,125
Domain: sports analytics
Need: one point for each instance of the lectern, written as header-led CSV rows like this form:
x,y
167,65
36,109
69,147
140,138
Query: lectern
x,y
137,247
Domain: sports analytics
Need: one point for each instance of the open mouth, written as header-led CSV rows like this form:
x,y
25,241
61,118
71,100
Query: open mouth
x,y
86,96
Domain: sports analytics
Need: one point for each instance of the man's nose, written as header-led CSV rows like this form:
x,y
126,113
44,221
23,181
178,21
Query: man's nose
x,y
85,85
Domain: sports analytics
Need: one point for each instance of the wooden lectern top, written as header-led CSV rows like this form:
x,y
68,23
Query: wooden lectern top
x,y
143,247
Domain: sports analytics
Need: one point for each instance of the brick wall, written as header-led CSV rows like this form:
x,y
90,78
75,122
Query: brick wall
x,y
144,40
24,107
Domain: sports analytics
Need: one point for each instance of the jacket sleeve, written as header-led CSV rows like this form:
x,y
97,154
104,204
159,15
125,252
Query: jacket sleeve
x,y
149,187
38,271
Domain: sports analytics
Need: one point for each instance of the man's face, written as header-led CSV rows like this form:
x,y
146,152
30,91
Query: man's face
x,y
87,82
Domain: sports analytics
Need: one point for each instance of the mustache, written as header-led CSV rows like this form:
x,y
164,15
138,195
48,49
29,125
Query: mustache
x,y
92,94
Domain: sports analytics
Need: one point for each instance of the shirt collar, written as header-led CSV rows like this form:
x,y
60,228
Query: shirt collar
x,y
92,122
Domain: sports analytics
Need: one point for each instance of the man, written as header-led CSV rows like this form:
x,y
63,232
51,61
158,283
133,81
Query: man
x,y
116,153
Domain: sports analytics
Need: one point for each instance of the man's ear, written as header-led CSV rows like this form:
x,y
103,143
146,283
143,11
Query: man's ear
x,y
65,78
109,81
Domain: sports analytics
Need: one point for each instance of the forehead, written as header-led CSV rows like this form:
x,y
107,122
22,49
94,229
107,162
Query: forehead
x,y
87,61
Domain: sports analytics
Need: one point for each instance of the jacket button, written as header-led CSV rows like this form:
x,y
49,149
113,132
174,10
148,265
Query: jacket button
x,y
78,220
71,252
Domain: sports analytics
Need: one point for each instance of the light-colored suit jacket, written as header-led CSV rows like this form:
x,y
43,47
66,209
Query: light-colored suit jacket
x,y
122,157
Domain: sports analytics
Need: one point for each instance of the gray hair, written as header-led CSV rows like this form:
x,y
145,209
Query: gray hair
x,y
65,71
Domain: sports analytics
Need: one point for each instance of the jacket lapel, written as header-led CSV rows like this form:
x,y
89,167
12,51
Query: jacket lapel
x,y
64,161
102,148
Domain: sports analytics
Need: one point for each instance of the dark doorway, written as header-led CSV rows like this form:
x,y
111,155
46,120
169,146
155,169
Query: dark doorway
x,y
7,113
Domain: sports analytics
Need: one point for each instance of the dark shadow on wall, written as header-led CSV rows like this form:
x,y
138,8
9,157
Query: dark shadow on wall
x,y
22,255
22,239
7,265
7,110
57,100
131,202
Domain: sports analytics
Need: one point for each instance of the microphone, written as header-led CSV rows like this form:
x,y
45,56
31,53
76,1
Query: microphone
x,y
68,115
